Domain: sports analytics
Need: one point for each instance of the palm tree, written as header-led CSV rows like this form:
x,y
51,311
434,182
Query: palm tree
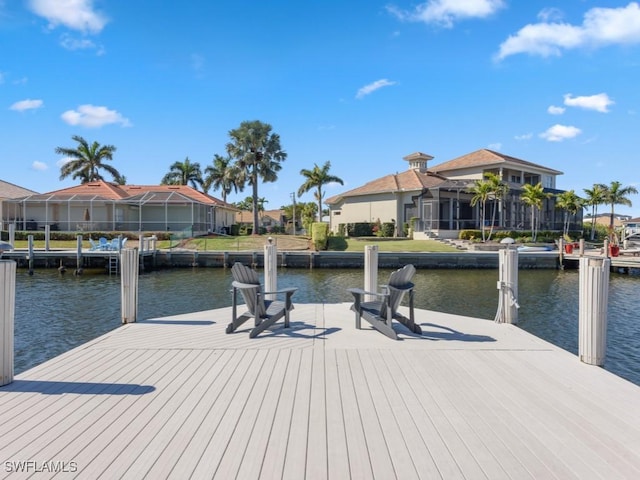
x,y
316,178
616,194
595,197
499,190
534,195
481,191
571,204
223,176
258,154
86,161
183,173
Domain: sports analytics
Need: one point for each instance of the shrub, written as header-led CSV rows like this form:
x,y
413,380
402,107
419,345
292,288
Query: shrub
x,y
387,229
319,235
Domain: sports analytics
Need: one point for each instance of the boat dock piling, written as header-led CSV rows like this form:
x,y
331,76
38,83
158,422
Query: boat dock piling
x,y
592,314
7,314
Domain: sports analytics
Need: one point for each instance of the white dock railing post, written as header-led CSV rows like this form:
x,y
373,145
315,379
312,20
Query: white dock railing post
x,y
508,286
7,313
592,309
129,284
12,233
270,269
370,271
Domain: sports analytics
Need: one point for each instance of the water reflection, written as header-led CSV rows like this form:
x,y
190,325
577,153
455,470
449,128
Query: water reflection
x,y
55,313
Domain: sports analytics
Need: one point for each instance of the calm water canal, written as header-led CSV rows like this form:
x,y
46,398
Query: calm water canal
x,y
55,313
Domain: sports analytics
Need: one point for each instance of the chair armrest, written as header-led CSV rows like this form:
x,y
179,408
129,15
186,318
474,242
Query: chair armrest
x,y
360,292
241,285
289,291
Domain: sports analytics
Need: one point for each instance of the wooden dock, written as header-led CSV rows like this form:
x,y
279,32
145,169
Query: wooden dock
x,y
176,397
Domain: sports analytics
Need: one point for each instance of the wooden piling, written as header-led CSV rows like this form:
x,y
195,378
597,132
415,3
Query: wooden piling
x,y
7,314
592,311
507,286
270,270
370,271
129,284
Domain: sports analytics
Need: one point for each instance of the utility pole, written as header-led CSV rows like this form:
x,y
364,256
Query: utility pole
x,y
293,197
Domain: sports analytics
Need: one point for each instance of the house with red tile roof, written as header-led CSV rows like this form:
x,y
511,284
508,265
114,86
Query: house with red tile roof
x,y
436,201
106,206
267,219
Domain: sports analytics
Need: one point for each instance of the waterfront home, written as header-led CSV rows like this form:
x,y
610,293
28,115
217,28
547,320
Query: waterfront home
x,y
267,219
435,201
106,206
9,191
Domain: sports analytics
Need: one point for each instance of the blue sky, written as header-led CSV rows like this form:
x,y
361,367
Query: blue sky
x,y
358,83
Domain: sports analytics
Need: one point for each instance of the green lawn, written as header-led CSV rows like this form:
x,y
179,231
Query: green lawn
x,y
284,242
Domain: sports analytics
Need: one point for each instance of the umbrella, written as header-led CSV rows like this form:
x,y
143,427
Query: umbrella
x,y
87,216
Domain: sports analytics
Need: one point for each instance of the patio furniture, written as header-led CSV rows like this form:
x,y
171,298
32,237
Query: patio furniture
x,y
265,312
381,312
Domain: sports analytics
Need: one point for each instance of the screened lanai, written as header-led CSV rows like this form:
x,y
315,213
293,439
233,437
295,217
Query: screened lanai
x,y
149,210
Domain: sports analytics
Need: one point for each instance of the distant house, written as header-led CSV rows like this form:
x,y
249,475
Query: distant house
x,y
605,219
10,191
436,200
267,219
105,206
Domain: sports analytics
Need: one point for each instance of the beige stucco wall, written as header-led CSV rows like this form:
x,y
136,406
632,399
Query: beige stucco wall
x,y
370,208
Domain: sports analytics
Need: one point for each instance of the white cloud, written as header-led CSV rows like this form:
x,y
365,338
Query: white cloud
x,y
91,116
558,133
39,166
372,87
71,43
495,146
447,12
600,27
74,14
599,102
27,104
554,110
525,136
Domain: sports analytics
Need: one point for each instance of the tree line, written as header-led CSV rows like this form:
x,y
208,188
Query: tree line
x,y
253,154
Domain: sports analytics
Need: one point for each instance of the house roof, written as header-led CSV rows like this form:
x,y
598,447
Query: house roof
x,y
9,190
102,190
245,216
407,181
485,157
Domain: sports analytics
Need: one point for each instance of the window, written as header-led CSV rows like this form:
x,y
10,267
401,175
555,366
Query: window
x,y
515,178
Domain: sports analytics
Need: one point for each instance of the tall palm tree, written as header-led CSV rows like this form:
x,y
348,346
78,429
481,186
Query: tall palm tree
x,y
616,194
258,154
223,175
86,161
499,190
481,191
184,173
534,196
316,178
595,197
571,204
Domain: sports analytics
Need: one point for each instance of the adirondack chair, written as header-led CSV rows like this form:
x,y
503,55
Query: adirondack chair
x,y
381,312
265,312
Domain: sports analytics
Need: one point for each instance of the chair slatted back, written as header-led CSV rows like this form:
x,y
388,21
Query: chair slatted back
x,y
400,280
255,303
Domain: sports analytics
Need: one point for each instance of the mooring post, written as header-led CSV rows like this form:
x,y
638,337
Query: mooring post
x,y
370,271
270,270
592,309
508,286
12,233
7,313
30,250
47,237
129,284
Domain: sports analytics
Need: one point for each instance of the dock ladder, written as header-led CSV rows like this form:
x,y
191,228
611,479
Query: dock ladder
x,y
114,264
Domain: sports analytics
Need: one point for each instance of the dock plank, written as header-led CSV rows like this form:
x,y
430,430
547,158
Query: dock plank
x,y
176,397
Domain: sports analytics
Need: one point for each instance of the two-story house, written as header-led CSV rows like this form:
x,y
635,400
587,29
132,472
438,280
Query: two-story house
x,y
436,200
